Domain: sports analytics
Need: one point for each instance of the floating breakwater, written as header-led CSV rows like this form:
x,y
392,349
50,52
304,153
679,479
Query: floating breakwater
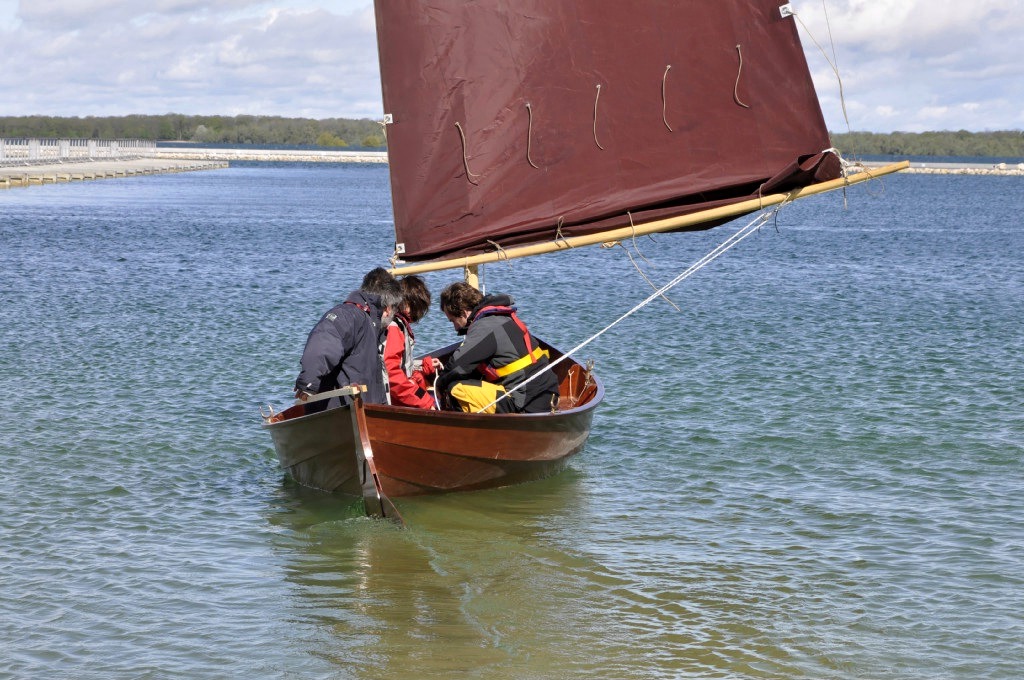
x,y
52,173
332,156
27,162
1005,169
272,155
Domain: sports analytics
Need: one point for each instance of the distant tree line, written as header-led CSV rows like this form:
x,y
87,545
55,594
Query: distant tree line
x,y
178,127
962,143
367,133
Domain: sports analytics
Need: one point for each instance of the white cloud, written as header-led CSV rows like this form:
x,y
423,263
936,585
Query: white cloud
x,y
113,57
919,65
906,64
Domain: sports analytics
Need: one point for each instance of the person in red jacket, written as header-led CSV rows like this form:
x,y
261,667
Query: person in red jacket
x,y
408,379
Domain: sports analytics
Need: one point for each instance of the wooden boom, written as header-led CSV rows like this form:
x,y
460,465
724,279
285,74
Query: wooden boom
x,y
470,262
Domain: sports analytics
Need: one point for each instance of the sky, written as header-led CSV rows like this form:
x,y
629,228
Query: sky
x,y
904,65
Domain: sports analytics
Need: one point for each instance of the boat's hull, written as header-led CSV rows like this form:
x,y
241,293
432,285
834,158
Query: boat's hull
x,y
421,452
319,450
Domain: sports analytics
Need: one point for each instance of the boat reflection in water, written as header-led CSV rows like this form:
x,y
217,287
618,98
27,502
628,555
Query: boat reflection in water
x,y
454,594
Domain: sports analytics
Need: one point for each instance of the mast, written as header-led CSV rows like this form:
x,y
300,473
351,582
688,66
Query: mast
x,y
471,273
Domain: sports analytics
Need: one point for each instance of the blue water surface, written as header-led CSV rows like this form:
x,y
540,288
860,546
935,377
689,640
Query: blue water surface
x,y
810,469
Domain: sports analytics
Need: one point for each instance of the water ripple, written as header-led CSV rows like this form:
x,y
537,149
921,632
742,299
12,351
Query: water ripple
x,y
811,471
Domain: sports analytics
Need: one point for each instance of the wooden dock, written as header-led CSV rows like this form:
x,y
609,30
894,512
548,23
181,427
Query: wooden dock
x,y
74,171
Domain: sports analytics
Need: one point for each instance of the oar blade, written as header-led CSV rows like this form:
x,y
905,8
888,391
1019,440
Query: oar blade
x,y
390,512
375,501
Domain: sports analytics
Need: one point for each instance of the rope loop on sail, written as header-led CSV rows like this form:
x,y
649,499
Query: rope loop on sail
x,y
465,158
558,232
664,99
845,167
632,228
636,246
636,266
851,168
750,228
529,136
502,255
833,62
597,98
736,87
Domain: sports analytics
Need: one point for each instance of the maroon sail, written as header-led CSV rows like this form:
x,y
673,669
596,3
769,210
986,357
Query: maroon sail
x,y
516,122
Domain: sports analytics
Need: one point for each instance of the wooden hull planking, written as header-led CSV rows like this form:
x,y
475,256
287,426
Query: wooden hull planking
x,y
423,452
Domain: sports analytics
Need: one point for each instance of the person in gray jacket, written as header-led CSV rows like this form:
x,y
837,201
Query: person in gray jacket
x,y
499,368
343,348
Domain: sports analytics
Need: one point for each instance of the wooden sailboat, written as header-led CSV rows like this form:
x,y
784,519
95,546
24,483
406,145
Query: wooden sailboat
x,y
528,127
414,451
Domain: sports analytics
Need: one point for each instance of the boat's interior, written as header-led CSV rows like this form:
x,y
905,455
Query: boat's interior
x,y
576,384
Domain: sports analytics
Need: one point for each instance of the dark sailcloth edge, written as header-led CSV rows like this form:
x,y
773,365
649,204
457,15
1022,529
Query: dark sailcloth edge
x,y
699,106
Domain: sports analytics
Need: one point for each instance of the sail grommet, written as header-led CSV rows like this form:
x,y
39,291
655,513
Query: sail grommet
x,y
396,257
384,123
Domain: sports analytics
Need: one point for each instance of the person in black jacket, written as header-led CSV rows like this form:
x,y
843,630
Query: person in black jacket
x,y
497,356
344,346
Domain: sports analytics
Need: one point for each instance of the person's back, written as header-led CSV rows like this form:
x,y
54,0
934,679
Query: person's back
x,y
342,349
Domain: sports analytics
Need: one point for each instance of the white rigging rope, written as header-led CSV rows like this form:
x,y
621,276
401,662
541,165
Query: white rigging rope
x,y
750,228
833,62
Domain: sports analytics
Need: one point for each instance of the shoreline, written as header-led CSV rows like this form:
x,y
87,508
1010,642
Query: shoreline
x,y
183,160
330,156
272,155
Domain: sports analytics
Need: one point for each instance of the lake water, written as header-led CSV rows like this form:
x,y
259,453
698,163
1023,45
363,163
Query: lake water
x,y
813,470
